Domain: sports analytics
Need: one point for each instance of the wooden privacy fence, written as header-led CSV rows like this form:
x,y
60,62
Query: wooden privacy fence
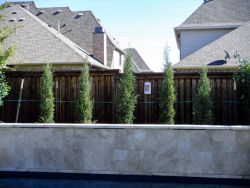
x,y
104,84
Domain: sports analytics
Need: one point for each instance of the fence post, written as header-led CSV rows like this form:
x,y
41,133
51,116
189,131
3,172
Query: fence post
x,y
19,100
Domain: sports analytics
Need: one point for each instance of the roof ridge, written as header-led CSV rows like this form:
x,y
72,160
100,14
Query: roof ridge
x,y
22,2
27,2
136,65
74,47
130,48
143,61
55,8
77,11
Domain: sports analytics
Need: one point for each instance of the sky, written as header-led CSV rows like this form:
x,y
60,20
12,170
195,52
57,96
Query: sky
x,y
147,25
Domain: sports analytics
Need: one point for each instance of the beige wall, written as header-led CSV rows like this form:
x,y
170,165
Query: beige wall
x,y
193,151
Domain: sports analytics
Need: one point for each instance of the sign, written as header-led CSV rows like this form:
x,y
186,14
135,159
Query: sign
x,y
147,88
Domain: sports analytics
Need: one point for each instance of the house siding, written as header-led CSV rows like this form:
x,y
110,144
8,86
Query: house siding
x,y
193,40
118,59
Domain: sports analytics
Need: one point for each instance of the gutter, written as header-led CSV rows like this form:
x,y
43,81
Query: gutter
x,y
208,67
229,26
55,64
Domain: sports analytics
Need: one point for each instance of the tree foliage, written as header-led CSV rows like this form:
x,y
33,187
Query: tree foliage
x,y
125,97
47,99
243,76
4,5
4,88
167,95
5,54
202,102
84,105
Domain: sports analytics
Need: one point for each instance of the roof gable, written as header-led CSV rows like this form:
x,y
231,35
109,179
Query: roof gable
x,y
139,64
36,43
220,52
79,29
216,14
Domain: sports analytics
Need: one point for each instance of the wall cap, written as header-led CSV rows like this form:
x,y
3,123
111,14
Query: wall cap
x,y
123,126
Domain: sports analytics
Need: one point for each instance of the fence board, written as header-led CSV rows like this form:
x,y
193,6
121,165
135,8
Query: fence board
x,y
104,85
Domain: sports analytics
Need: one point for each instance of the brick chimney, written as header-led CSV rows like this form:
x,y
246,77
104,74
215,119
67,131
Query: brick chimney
x,y
100,45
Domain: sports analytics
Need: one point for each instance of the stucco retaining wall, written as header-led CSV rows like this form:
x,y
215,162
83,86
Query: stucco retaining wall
x,y
193,151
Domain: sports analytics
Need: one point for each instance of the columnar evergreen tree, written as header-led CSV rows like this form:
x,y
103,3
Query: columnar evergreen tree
x,y
47,105
167,95
5,32
243,76
125,97
202,102
84,105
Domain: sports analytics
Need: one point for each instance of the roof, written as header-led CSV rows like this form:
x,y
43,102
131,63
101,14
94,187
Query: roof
x,y
219,54
43,45
77,28
219,12
139,65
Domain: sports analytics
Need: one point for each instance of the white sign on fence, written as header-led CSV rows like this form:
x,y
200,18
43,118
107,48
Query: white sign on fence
x,y
147,88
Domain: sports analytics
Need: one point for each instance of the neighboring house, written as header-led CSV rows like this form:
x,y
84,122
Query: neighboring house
x,y
139,65
80,28
213,33
37,44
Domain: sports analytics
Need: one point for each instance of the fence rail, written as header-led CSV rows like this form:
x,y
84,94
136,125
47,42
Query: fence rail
x,y
104,84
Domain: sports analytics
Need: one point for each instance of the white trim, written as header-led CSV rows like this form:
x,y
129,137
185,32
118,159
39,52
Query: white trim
x,y
136,65
208,67
207,27
52,63
124,126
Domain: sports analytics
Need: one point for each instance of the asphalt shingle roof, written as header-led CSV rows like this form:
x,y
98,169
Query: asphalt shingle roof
x,y
218,13
36,43
77,28
139,64
220,52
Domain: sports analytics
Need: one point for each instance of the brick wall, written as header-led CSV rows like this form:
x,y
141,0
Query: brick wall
x,y
100,47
